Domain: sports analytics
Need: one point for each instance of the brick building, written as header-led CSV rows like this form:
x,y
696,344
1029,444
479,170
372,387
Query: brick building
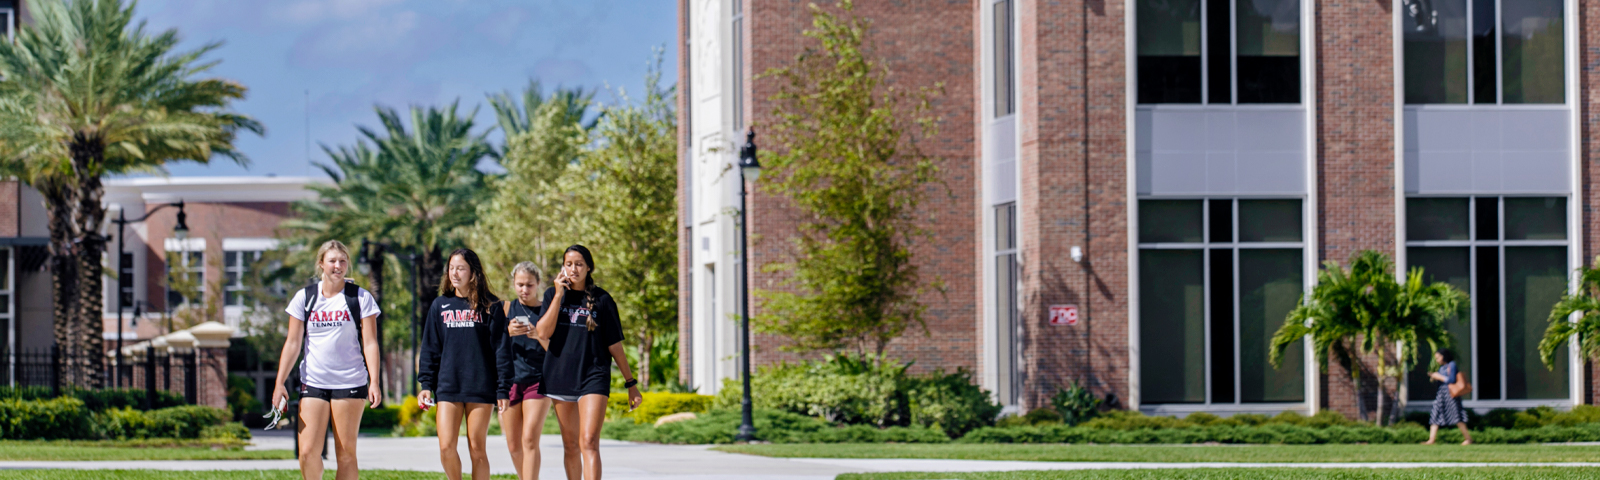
x,y
1176,171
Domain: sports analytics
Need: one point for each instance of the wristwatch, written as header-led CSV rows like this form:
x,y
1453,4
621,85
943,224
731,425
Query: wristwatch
x,y
630,383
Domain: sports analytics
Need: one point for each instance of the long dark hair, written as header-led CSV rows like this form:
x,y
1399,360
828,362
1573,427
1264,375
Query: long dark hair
x,y
588,281
1447,355
477,294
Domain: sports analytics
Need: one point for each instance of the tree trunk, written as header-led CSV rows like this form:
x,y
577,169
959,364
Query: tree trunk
x,y
430,274
58,199
91,265
645,341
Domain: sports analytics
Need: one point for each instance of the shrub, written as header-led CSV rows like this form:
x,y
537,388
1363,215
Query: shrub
x,y
720,426
383,417
867,391
240,401
951,403
1129,420
226,431
58,418
413,422
1076,403
1035,417
656,405
97,400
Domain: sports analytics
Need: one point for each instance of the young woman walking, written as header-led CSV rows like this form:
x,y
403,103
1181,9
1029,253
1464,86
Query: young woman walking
x,y
522,416
1447,408
457,366
340,364
582,334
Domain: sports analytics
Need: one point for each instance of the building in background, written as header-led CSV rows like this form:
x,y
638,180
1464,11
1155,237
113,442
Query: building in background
x,y
1175,172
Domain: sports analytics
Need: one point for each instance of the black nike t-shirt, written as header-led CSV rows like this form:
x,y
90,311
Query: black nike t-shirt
x,y
578,361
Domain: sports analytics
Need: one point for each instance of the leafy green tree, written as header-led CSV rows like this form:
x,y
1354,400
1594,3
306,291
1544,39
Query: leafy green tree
x,y
1364,311
629,206
845,155
1583,303
88,93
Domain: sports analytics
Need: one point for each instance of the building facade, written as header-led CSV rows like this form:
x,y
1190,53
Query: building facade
x,y
1175,172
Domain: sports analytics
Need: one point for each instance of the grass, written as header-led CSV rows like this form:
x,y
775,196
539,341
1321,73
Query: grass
x,y
210,475
1184,453
1463,473
73,450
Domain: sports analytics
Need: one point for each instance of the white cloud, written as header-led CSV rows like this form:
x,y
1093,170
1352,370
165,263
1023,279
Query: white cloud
x,y
306,11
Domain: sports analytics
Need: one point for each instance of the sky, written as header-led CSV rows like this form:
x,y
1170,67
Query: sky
x,y
316,68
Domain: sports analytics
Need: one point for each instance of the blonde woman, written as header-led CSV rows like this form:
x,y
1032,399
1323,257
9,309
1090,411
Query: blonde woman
x,y
522,416
458,367
339,362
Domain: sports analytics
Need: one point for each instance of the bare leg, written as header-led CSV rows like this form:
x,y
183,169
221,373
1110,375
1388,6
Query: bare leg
x,y
1464,434
511,426
449,422
533,415
591,417
478,415
313,432
571,454
346,425
1433,434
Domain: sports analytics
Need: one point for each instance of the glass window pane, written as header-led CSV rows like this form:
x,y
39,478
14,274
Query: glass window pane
x,y
1169,51
1534,53
1484,52
1488,218
1169,221
5,305
1005,226
1172,326
1450,265
1536,277
1219,51
1436,219
1270,285
1221,227
1536,218
1269,221
1486,337
1002,59
231,298
230,259
1222,384
5,269
1436,52
1269,51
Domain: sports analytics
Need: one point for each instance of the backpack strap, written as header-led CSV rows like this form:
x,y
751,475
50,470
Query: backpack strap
x,y
305,329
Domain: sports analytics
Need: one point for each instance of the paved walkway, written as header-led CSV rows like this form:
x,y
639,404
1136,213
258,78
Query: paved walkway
x,y
630,461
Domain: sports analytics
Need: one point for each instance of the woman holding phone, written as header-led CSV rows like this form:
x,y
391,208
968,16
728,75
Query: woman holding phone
x,y
522,415
582,334
338,371
458,366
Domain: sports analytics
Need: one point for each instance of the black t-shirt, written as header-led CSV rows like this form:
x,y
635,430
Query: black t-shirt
x,y
524,354
578,361
457,359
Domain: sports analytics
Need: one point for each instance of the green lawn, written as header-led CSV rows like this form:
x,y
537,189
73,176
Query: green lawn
x,y
1185,453
212,475
67,450
1512,473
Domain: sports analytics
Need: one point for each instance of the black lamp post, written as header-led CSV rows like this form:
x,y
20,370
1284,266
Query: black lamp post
x,y
180,231
749,170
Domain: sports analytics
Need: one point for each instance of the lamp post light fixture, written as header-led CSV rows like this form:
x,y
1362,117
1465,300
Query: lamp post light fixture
x,y
749,170
179,231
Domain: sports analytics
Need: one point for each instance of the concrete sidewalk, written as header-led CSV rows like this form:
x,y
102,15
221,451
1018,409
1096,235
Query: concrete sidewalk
x,y
629,461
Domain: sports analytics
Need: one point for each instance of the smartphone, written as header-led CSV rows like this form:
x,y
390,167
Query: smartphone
x,y
523,319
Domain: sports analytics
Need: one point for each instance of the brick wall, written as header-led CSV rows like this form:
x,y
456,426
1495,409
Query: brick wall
x,y
921,43
1588,104
213,222
1073,178
1355,143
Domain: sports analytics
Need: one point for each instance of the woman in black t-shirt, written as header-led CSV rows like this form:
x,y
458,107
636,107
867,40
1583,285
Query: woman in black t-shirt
x,y
522,360
582,334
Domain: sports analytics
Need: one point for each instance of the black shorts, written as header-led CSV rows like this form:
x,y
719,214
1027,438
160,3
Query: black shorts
x,y
358,393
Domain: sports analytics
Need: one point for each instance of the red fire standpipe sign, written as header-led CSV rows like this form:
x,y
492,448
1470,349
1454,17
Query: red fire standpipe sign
x,y
1064,315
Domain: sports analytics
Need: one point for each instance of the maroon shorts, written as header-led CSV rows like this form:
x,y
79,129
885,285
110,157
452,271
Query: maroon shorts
x,y
525,392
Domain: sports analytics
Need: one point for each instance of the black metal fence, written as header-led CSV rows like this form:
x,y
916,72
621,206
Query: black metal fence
x,y
153,371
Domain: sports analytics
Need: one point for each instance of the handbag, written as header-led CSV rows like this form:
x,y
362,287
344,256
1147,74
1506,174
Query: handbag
x,y
1460,387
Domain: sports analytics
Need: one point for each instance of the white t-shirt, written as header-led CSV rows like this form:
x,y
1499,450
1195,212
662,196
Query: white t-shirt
x,y
333,351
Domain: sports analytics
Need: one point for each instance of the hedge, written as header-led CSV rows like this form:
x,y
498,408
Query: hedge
x,y
656,405
1272,434
67,418
96,400
719,426
382,417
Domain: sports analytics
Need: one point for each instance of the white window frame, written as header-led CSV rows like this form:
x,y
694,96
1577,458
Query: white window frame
x,y
8,288
1233,52
183,248
239,266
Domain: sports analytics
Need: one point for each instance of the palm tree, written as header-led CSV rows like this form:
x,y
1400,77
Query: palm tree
x,y
1582,302
87,93
516,118
1365,312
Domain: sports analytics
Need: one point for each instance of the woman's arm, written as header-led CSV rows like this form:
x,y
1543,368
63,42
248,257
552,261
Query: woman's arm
x,y
286,358
621,357
547,322
428,355
369,349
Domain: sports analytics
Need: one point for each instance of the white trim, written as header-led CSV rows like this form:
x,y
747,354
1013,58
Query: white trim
x,y
1311,221
1130,58
243,189
248,244
1574,210
185,245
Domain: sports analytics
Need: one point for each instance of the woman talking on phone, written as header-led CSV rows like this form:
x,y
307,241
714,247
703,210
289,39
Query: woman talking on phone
x,y
334,324
458,367
522,415
582,334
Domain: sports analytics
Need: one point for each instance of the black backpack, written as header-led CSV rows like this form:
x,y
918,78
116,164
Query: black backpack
x,y
352,301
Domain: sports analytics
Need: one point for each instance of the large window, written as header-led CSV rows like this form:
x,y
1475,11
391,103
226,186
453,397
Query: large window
x,y
1217,278
1219,51
1005,300
1484,51
1004,63
736,87
186,272
236,264
1510,255
6,296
